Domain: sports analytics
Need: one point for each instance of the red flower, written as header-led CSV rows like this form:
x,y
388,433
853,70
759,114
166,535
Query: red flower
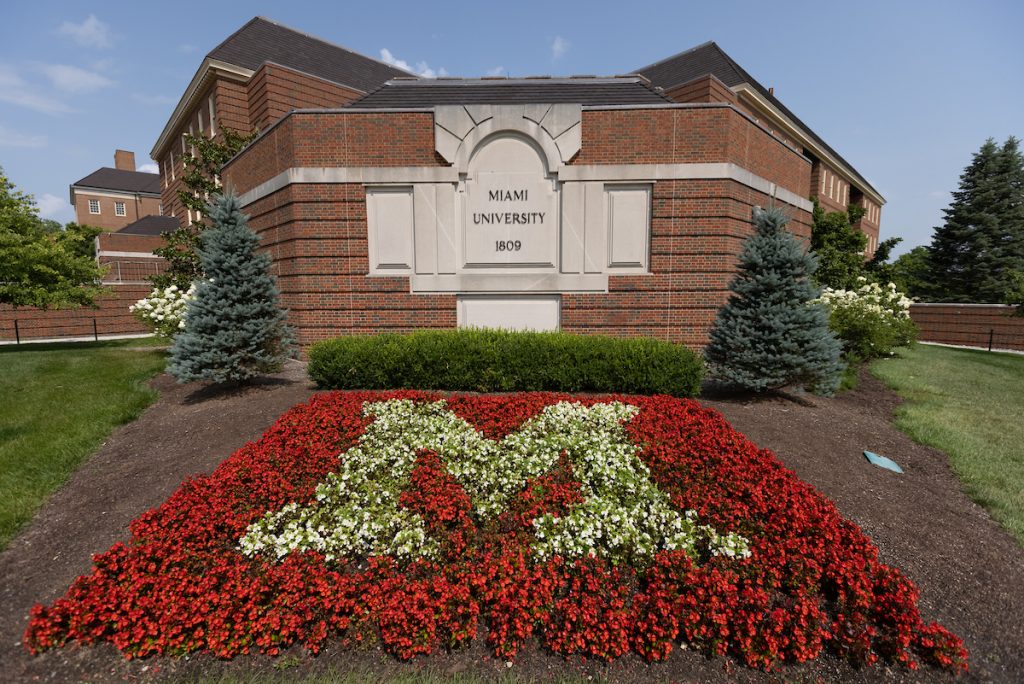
x,y
813,580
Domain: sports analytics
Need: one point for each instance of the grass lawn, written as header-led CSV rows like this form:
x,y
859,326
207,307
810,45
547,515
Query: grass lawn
x,y
970,405
58,402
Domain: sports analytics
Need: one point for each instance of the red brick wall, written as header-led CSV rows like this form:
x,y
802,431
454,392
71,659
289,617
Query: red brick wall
x,y
697,232
125,242
112,317
352,138
969,325
697,135
702,89
317,237
275,90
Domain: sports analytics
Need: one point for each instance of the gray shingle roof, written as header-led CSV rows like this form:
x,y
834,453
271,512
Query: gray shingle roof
x,y
708,58
412,94
151,225
262,40
107,178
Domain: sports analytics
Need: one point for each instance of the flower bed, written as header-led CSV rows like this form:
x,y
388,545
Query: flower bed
x,y
596,526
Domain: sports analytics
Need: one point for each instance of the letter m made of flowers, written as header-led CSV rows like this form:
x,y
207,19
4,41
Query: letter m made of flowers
x,y
623,517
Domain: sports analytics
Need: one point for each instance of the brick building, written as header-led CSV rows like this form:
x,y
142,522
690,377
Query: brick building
x,y
112,198
610,205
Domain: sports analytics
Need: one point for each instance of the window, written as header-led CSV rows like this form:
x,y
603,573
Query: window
x,y
213,126
160,209
94,206
119,209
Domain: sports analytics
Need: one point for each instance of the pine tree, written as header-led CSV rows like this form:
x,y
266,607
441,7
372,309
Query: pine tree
x,y
770,335
959,247
1003,262
234,329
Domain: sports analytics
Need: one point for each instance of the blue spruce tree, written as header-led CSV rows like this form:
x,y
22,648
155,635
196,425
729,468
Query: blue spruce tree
x,y
769,335
234,329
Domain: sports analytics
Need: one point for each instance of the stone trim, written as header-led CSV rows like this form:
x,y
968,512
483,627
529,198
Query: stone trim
x,y
592,172
506,283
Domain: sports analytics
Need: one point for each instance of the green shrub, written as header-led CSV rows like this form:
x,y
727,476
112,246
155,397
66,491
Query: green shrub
x,y
871,321
506,361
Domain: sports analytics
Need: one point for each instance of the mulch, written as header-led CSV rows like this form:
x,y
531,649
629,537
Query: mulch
x,y
969,571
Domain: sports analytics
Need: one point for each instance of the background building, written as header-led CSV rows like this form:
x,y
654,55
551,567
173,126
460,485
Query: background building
x,y
111,198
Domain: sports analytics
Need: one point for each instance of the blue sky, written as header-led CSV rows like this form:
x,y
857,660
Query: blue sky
x,y
905,91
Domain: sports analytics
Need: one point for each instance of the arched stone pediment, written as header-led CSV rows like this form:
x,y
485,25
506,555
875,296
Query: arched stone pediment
x,y
554,129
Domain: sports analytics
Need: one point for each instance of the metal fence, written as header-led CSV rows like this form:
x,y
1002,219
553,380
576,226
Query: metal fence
x,y
124,271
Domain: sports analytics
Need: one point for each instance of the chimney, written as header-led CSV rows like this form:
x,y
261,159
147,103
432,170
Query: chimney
x,y
124,160
771,91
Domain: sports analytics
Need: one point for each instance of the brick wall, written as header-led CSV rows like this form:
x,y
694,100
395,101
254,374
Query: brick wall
x,y
703,89
317,238
275,90
111,315
697,135
270,93
969,325
697,232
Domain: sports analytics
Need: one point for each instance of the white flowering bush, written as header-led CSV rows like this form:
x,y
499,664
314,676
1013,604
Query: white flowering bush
x,y
872,320
356,513
163,309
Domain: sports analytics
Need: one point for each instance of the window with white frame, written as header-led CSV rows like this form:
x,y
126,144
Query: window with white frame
x,y
94,206
119,209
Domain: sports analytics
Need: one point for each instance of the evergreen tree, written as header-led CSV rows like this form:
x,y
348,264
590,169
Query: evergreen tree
x,y
770,335
976,253
1004,261
838,245
234,329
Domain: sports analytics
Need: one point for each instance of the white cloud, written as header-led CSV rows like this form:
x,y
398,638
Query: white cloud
x,y
14,90
421,69
559,46
90,33
53,207
150,167
496,71
72,79
9,138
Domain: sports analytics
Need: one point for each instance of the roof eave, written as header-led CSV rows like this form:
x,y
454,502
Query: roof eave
x,y
209,69
749,92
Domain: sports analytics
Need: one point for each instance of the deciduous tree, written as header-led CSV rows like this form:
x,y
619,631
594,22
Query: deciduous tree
x,y
40,266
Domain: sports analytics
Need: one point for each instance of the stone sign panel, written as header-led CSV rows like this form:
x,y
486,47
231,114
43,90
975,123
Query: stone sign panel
x,y
511,208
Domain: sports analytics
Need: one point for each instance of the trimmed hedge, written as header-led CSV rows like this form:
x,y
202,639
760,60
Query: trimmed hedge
x,y
484,360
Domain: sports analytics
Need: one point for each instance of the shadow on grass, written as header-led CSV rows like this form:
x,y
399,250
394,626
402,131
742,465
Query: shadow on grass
x,y
129,344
